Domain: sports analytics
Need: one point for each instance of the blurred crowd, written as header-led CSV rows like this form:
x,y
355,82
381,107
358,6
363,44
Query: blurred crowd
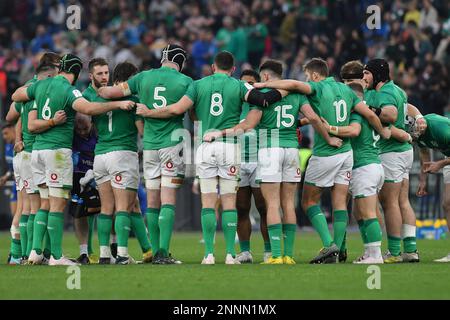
x,y
414,36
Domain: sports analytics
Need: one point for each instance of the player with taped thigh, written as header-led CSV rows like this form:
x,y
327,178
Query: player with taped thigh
x,y
329,166
52,118
217,101
116,167
248,187
164,166
397,158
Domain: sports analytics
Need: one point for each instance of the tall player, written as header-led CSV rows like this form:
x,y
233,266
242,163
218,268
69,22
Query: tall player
x,y
116,167
56,99
164,166
328,166
397,159
278,162
217,101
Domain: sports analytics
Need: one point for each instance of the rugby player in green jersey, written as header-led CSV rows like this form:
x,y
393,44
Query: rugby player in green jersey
x,y
217,101
397,159
435,134
48,67
328,166
164,165
278,167
366,180
116,167
248,186
52,119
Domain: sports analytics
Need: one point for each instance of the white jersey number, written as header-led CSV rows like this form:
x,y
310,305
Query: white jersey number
x,y
376,138
216,104
110,114
282,115
46,111
341,110
158,97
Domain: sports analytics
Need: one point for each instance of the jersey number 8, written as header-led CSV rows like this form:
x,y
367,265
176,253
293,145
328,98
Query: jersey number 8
x,y
216,104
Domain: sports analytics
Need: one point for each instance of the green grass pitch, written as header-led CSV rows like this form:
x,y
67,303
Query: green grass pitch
x,y
424,280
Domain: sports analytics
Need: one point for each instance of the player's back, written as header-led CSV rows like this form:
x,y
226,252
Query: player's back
x,y
52,95
279,122
24,108
334,101
217,100
158,88
366,145
391,94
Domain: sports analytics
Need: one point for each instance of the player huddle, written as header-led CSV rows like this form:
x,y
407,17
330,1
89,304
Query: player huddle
x,y
362,148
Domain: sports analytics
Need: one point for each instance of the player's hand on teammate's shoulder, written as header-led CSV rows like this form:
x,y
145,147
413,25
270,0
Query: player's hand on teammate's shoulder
x,y
141,109
60,117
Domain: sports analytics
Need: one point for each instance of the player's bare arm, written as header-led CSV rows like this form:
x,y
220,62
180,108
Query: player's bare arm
x,y
318,126
349,131
421,123
114,92
289,85
20,95
36,125
140,127
250,122
95,108
171,110
400,135
12,115
388,114
18,145
373,120
435,166
425,157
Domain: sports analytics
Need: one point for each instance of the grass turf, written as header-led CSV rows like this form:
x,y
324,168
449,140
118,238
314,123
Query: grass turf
x,y
424,280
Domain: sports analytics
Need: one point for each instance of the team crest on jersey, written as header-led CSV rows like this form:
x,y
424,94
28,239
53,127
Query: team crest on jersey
x,y
54,176
118,178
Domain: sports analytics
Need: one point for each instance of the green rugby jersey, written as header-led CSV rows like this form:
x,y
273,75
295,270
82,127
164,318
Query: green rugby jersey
x,y
437,134
218,101
116,129
24,108
158,88
365,145
51,95
280,119
334,101
249,140
391,94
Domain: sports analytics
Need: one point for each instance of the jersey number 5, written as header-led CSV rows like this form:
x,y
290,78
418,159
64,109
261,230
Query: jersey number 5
x,y
158,97
341,110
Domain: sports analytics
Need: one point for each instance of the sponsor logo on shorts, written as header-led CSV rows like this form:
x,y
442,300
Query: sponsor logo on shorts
x,y
169,164
54,176
25,183
348,174
299,172
118,178
232,171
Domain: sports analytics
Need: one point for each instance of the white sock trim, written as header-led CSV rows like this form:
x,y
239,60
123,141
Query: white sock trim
x,y
408,231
